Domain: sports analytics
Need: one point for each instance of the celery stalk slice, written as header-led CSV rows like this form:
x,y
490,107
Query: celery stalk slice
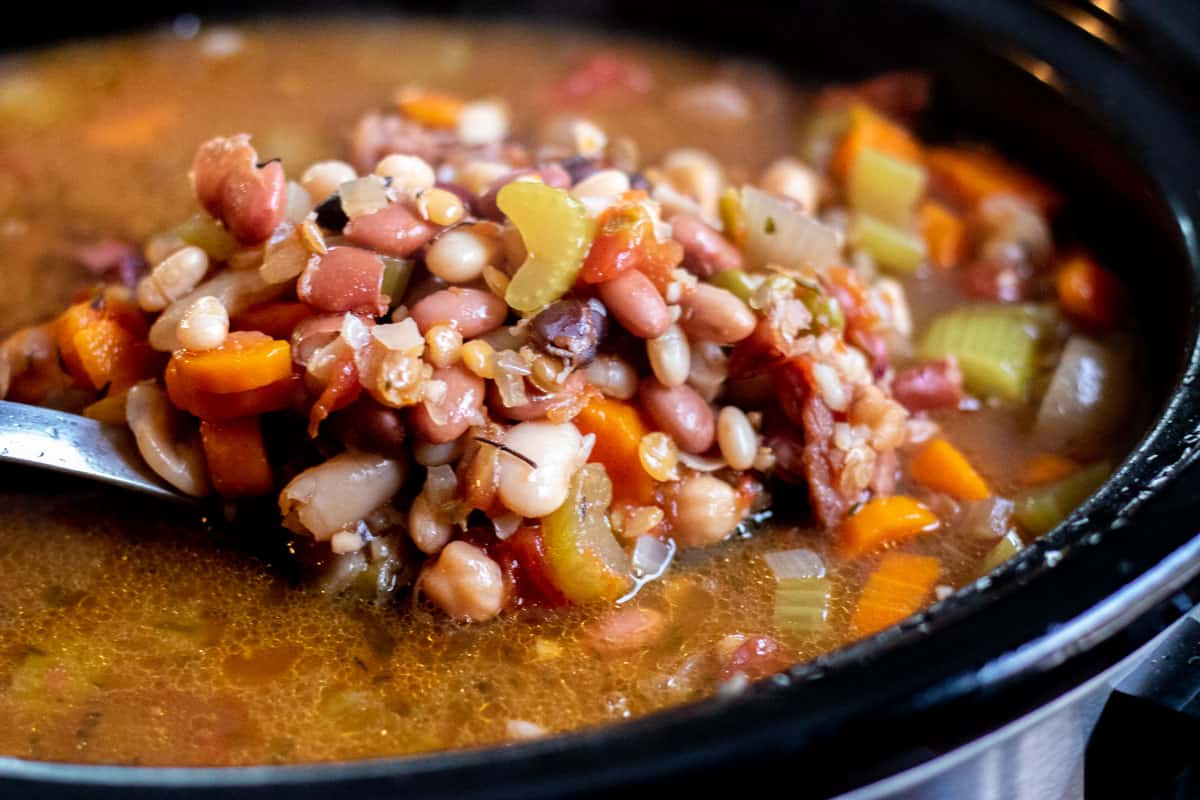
x,y
996,347
1039,511
894,249
884,187
802,605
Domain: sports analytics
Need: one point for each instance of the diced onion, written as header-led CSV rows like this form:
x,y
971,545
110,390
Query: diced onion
x,y
988,520
403,336
651,556
700,463
506,525
363,196
776,233
299,203
1088,395
798,563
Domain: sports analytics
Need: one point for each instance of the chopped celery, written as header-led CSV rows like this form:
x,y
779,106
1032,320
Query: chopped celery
x,y
396,274
821,135
826,311
736,281
894,249
733,218
204,232
557,232
996,347
884,187
802,605
1042,509
583,557
1008,546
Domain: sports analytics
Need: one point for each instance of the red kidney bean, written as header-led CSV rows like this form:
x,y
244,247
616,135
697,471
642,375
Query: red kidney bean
x,y
472,312
314,333
395,230
705,251
371,427
712,314
626,630
540,403
998,280
249,199
551,174
757,657
681,412
636,304
344,279
460,406
925,387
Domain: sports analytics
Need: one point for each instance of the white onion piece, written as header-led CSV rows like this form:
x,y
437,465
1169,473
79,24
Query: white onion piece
x,y
798,563
338,493
652,556
988,520
440,486
776,233
403,336
1089,394
506,525
701,463
299,203
363,196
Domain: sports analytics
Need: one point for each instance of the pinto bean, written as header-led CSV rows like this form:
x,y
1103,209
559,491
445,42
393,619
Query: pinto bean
x,y
925,387
472,312
457,410
626,630
712,314
539,405
636,304
395,230
344,279
465,583
705,251
681,412
228,182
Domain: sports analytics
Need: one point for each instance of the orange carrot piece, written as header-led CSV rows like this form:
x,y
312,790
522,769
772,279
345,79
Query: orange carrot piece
x,y
109,409
940,466
619,429
236,457
247,360
1088,292
435,109
869,128
944,234
276,319
1046,468
130,130
100,340
882,521
971,175
895,590
216,407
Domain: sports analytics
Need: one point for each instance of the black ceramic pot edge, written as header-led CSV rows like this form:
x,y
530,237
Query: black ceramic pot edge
x,y
1033,624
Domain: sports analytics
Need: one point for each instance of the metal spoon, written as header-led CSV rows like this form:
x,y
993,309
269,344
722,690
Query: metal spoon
x,y
76,445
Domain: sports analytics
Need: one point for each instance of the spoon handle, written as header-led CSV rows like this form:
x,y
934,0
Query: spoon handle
x,y
76,445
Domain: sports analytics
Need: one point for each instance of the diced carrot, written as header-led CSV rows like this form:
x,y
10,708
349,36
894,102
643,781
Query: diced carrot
x,y
619,430
895,590
970,175
940,466
130,130
869,128
1088,292
883,521
109,409
435,109
944,234
101,341
1046,468
276,319
247,360
216,407
236,457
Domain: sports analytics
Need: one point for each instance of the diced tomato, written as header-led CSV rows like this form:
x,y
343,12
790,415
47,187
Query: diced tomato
x,y
342,390
625,240
531,577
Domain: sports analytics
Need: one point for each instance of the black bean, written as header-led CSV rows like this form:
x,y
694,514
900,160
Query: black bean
x,y
330,215
638,181
571,329
579,167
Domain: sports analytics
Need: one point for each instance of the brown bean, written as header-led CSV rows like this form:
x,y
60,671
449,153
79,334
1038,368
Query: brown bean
x,y
636,304
472,312
371,427
459,408
395,230
712,314
570,329
681,412
540,404
249,199
626,630
344,279
705,251
926,387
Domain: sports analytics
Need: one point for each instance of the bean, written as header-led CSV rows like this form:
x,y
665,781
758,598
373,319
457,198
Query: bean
x,y
372,427
465,583
441,206
636,304
428,454
712,314
705,251
736,438
670,356
926,387
538,405
410,174
394,230
172,278
555,449
458,409
323,178
148,412
483,122
341,491
570,329
428,533
237,291
473,312
697,174
791,179
479,357
344,279
626,630
204,325
443,345
613,376
459,255
249,199
705,511
1003,280
680,412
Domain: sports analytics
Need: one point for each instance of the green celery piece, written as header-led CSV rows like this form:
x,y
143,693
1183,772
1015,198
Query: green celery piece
x,y
802,605
884,187
201,230
1040,510
557,232
996,347
1008,546
397,272
735,281
894,249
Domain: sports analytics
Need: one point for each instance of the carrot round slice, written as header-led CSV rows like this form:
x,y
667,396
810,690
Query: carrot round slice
x,y
236,457
247,360
885,520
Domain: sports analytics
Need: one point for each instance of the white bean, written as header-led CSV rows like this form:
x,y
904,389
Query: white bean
x,y
324,177
736,438
705,512
790,178
174,277
555,449
670,356
331,496
204,325
465,583
483,122
428,533
149,415
613,376
459,255
410,174
697,174
428,454
235,290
